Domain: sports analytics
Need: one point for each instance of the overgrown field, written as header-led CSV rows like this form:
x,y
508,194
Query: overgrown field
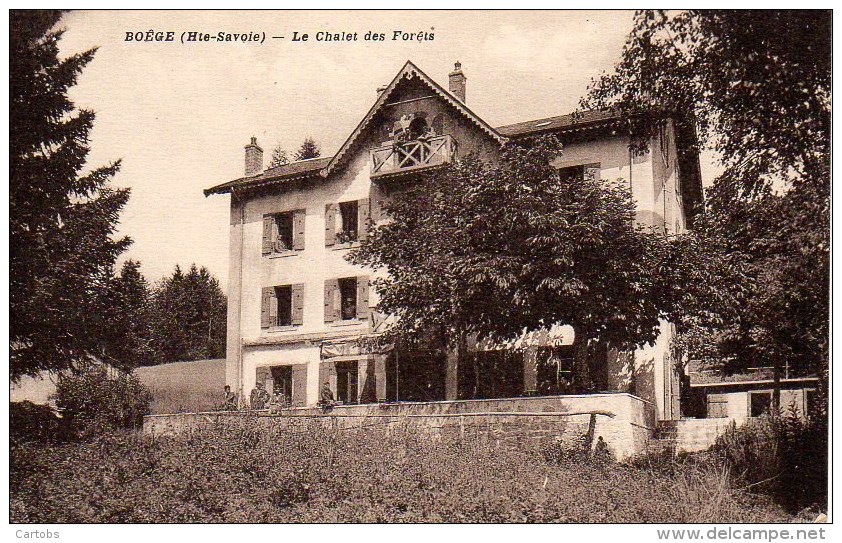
x,y
248,474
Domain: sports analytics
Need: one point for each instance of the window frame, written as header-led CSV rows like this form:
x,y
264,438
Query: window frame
x,y
283,230
348,285
349,213
583,166
288,306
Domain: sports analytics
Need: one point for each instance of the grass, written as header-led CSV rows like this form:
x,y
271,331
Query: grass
x,y
184,386
248,473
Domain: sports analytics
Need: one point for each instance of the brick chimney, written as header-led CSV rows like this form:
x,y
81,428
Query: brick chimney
x,y
457,82
254,158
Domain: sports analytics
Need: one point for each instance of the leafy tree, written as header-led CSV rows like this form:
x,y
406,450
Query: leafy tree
x,y
131,326
309,149
757,84
279,157
61,223
189,316
495,250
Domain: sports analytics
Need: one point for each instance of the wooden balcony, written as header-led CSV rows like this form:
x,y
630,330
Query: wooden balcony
x,y
401,158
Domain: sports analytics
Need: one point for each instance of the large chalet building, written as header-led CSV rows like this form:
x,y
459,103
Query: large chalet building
x,y
297,309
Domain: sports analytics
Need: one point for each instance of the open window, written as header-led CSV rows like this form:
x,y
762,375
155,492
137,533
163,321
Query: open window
x,y
349,222
346,222
282,306
580,172
346,299
282,384
282,314
554,370
283,232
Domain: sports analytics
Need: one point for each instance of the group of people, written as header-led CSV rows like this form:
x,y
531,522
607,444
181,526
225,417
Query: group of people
x,y
261,399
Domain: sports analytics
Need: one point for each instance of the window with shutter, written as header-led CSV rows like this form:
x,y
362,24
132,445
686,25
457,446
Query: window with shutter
x,y
282,306
362,297
280,232
717,406
265,306
363,214
261,375
330,224
297,304
331,288
298,221
268,234
283,315
593,171
299,385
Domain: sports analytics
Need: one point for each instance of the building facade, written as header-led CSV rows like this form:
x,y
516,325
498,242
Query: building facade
x,y
297,309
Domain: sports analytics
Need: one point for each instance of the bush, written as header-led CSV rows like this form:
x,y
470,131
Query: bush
x,y
33,422
784,456
101,399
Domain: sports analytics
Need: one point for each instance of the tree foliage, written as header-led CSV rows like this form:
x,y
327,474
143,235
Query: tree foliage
x,y
309,149
495,250
279,157
189,316
130,330
757,83
61,221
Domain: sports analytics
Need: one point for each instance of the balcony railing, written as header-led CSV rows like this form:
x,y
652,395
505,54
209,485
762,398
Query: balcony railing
x,y
411,156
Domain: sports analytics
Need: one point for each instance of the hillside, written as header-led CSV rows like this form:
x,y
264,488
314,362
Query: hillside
x,y
184,386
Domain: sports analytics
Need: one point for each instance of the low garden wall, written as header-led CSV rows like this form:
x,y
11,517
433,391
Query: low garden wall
x,y
622,422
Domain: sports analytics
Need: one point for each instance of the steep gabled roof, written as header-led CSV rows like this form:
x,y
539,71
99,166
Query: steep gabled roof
x,y
408,71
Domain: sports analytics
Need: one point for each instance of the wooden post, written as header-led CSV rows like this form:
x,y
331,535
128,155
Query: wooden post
x,y
380,377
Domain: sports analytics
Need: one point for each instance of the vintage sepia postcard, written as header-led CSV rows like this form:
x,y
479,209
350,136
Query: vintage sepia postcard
x,y
420,266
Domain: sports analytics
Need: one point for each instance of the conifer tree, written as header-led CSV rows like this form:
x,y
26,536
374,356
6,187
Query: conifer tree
x,y
309,149
62,222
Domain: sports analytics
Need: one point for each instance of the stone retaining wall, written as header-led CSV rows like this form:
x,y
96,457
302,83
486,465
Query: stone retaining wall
x,y
693,435
623,422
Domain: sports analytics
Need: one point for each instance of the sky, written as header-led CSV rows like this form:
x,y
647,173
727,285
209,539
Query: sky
x,y
178,115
